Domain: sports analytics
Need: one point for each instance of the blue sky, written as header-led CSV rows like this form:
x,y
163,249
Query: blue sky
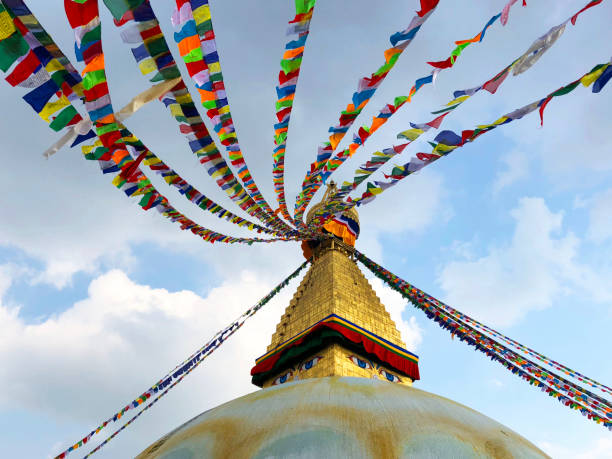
x,y
98,299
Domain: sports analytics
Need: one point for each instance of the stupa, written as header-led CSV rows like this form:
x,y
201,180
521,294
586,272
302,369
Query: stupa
x,y
337,382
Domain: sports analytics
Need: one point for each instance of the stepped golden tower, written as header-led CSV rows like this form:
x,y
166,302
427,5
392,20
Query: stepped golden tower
x,y
337,383
335,325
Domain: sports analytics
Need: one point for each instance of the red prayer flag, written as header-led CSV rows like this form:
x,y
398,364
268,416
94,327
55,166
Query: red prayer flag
x,y
427,6
542,107
426,156
445,64
80,13
435,123
496,81
24,69
590,5
465,135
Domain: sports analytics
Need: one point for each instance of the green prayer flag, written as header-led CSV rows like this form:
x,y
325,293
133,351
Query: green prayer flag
x,y
63,118
290,65
92,35
91,79
303,6
157,46
12,48
119,7
565,89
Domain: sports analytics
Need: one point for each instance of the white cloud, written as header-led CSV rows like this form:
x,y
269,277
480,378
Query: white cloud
x,y
600,217
411,332
107,348
113,344
6,278
515,170
536,266
601,449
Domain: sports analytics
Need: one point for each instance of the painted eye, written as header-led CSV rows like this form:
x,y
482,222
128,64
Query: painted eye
x,y
390,377
310,363
283,379
360,363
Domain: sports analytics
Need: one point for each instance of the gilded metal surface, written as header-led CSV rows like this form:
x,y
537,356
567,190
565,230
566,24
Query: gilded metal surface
x,y
334,285
341,417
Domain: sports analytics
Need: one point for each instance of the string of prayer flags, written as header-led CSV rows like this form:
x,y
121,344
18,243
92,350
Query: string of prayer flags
x,y
366,88
176,375
526,60
197,46
55,62
327,167
448,141
287,84
377,160
30,65
110,152
521,348
456,52
568,393
387,112
191,51
144,156
134,183
520,64
139,26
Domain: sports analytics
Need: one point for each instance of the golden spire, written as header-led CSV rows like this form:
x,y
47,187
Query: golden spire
x,y
335,325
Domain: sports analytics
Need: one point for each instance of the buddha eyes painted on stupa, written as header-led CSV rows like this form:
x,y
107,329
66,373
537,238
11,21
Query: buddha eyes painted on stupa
x,y
390,376
283,378
310,363
292,375
360,363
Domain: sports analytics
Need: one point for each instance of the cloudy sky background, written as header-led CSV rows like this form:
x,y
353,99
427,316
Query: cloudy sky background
x,y
98,299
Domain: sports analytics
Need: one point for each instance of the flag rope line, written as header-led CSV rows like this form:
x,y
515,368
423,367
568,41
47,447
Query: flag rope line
x,y
572,395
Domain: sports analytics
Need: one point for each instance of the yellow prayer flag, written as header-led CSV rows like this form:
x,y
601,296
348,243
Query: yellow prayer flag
x,y
215,67
117,181
53,66
29,20
152,161
444,148
458,100
147,66
51,107
201,14
410,134
7,28
589,78
219,172
184,98
175,110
